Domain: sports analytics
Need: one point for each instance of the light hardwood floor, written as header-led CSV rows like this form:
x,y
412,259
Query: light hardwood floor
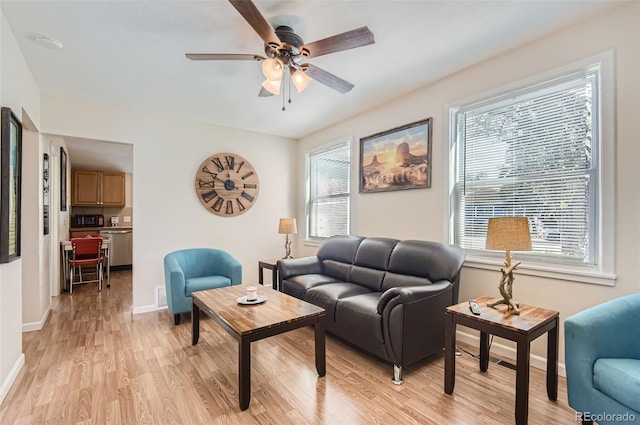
x,y
96,363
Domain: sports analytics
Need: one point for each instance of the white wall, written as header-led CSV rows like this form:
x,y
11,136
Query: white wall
x,y
420,214
18,91
168,216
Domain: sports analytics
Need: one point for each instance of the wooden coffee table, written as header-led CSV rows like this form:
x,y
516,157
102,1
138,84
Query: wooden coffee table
x,y
247,323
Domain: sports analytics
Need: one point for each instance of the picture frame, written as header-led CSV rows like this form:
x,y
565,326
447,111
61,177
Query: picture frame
x,y
45,193
397,159
63,179
10,185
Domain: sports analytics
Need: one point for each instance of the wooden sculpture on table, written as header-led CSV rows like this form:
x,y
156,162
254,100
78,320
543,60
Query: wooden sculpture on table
x,y
510,234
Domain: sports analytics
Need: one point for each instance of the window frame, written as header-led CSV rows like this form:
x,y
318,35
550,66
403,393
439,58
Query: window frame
x,y
603,230
338,144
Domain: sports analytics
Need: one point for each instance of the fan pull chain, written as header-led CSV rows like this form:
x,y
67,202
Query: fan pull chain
x,y
283,108
289,88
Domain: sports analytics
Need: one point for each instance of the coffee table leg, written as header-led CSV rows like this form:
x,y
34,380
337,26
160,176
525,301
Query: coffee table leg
x,y
484,351
552,362
449,353
195,324
321,363
244,373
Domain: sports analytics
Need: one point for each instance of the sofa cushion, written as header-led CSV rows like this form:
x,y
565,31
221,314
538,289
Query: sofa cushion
x,y
297,286
619,379
360,323
336,269
369,278
340,248
207,282
326,296
374,253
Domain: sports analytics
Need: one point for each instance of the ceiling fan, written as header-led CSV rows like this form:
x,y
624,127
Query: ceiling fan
x,y
285,51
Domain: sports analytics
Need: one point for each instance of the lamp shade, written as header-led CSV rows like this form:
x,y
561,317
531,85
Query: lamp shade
x,y
508,234
272,87
301,80
288,226
272,69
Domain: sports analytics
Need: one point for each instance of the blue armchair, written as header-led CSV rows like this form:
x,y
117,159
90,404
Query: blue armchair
x,y
602,356
197,269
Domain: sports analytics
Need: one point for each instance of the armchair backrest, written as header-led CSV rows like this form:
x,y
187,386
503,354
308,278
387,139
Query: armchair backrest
x,y
200,262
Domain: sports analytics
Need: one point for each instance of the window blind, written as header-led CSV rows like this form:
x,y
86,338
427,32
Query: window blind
x,y
328,203
531,153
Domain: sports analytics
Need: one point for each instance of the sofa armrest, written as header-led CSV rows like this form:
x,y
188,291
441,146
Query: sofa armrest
x,y
232,269
407,294
605,330
297,266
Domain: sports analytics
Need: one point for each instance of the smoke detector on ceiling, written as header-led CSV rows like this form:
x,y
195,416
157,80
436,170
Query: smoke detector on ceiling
x,y
48,42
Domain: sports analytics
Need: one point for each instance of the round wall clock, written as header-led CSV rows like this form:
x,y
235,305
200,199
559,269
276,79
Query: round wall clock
x,y
227,184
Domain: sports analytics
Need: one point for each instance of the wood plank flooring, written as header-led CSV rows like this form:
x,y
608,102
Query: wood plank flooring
x,y
96,363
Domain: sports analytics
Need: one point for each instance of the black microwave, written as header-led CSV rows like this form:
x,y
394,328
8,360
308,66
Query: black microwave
x,y
85,220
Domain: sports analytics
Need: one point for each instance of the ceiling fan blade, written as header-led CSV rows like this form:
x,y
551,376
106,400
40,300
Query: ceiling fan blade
x,y
222,57
327,78
339,42
252,15
264,92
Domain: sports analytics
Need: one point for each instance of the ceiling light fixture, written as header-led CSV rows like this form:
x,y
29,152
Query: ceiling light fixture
x,y
301,80
272,86
48,42
272,69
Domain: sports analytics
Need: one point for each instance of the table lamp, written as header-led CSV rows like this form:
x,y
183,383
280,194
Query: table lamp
x,y
509,234
287,227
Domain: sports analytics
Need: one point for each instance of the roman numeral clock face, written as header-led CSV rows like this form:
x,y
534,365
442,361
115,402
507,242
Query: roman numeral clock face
x,y
227,184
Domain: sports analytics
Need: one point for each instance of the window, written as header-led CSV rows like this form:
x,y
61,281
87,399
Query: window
x,y
533,152
328,192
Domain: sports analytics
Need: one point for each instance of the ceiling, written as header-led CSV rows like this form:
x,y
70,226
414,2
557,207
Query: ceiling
x,y
131,53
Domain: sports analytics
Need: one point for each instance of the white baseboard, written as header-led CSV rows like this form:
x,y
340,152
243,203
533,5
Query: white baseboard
x,y
147,309
536,361
36,326
11,378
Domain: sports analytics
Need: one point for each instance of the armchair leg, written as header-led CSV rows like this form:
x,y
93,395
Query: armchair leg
x,y
397,375
176,319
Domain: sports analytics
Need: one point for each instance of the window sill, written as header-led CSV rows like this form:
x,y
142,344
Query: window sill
x,y
559,271
309,242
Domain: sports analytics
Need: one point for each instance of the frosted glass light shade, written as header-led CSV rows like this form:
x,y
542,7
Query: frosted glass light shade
x,y
301,80
272,69
272,87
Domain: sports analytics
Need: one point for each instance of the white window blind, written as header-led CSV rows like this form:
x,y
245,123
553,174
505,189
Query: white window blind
x,y
328,194
531,153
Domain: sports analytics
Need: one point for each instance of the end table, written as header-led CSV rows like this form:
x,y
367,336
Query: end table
x,y
271,264
531,323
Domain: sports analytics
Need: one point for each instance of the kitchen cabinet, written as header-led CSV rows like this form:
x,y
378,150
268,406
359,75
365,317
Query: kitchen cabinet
x,y
97,188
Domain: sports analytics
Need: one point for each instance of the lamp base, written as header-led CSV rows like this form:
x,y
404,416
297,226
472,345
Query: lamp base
x,y
506,286
511,305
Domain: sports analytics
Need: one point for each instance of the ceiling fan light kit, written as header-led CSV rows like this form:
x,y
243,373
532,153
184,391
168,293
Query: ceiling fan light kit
x,y
285,50
272,86
300,80
272,69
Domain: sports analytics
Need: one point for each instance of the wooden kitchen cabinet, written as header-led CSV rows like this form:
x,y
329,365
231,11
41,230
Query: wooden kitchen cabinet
x,y
97,188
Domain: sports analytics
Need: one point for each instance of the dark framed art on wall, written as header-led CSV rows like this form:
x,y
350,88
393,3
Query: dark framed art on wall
x,y
11,183
397,159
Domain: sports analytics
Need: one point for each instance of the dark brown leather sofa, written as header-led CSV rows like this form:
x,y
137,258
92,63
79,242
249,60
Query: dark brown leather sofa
x,y
383,295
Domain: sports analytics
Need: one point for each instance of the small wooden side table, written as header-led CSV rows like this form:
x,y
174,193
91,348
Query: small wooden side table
x,y
270,264
524,328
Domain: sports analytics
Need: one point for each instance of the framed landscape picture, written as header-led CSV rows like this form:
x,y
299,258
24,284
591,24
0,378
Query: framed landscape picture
x,y
397,159
11,182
